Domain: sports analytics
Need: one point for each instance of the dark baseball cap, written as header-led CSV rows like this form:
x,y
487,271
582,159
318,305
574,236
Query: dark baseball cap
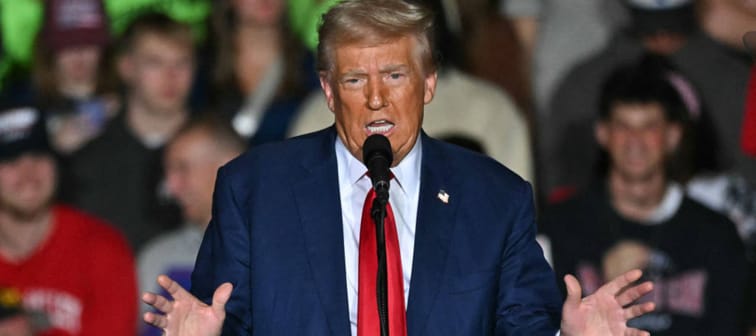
x,y
652,16
74,23
22,130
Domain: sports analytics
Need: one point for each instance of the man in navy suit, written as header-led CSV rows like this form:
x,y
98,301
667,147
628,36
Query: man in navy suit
x,y
281,254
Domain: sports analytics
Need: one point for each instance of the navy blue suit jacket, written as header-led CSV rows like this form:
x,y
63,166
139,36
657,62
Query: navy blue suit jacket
x,y
276,234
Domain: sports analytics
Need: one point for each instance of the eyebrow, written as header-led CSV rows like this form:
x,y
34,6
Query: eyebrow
x,y
394,67
386,69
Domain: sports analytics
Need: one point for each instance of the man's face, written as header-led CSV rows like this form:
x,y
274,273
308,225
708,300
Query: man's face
x,y
259,12
78,64
379,89
27,184
191,163
159,72
638,139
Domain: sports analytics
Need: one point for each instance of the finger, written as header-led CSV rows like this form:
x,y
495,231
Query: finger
x,y
159,302
636,332
220,297
155,319
148,298
574,293
620,282
629,295
638,310
173,288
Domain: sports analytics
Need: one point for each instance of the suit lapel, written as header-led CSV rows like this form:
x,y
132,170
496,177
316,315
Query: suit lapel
x,y
435,221
317,196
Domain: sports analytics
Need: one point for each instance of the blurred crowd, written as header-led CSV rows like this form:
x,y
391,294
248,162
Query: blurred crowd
x,y
634,120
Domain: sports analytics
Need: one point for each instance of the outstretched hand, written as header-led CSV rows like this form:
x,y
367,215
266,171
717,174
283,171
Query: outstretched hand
x,y
186,315
606,311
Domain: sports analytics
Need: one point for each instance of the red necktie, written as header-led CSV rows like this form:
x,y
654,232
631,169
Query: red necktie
x,y
368,323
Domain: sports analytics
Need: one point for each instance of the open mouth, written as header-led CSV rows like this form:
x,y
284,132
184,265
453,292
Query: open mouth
x,y
379,127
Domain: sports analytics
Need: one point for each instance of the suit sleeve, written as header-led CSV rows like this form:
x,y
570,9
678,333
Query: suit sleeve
x,y
528,301
224,257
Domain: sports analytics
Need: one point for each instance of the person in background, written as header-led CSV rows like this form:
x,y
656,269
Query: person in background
x,y
61,260
191,162
118,175
637,217
73,81
555,35
262,71
718,65
567,149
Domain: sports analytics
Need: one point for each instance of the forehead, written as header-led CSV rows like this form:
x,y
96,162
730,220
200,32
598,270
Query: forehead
x,y
159,43
194,143
366,56
634,111
34,156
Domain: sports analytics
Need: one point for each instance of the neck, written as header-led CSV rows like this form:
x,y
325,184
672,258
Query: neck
x,y
726,24
78,89
249,35
202,224
257,47
149,124
636,199
20,236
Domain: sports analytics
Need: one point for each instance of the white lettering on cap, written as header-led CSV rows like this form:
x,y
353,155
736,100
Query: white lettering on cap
x,y
17,123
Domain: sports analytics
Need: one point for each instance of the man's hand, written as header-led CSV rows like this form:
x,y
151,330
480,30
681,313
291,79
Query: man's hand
x,y
186,315
606,311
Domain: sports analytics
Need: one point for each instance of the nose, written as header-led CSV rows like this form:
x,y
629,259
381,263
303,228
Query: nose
x,y
376,95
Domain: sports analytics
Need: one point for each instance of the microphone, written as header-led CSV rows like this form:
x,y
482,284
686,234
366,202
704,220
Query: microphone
x,y
377,156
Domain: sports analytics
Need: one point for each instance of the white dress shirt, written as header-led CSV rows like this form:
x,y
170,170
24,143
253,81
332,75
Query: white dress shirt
x,y
354,185
404,194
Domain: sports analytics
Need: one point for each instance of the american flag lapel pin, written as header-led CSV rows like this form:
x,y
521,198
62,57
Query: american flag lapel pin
x,y
443,196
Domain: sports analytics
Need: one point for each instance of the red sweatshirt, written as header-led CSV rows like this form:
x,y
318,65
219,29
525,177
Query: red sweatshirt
x,y
82,278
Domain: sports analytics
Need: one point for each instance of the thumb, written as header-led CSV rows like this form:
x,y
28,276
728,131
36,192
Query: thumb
x,y
220,297
574,293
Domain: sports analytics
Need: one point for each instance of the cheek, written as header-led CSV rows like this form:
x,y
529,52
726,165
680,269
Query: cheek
x,y
656,140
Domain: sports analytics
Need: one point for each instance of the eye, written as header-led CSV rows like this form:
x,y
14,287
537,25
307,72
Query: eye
x,y
396,75
352,82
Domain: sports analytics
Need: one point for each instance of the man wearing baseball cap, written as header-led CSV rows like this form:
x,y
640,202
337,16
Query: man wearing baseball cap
x,y
64,263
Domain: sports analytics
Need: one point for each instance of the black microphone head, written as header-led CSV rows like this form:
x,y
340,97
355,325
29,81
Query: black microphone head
x,y
374,145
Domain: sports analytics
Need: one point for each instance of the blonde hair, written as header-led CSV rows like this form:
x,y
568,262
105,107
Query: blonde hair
x,y
375,22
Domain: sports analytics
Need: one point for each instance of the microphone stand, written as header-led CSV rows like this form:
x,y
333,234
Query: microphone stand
x,y
378,212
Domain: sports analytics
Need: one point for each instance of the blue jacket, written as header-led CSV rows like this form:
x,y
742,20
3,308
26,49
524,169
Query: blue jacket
x,y
276,234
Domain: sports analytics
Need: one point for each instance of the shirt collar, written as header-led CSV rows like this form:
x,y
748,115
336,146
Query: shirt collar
x,y
406,173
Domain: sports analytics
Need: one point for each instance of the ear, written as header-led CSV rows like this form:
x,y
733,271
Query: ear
x,y
430,86
125,67
325,84
673,136
601,132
